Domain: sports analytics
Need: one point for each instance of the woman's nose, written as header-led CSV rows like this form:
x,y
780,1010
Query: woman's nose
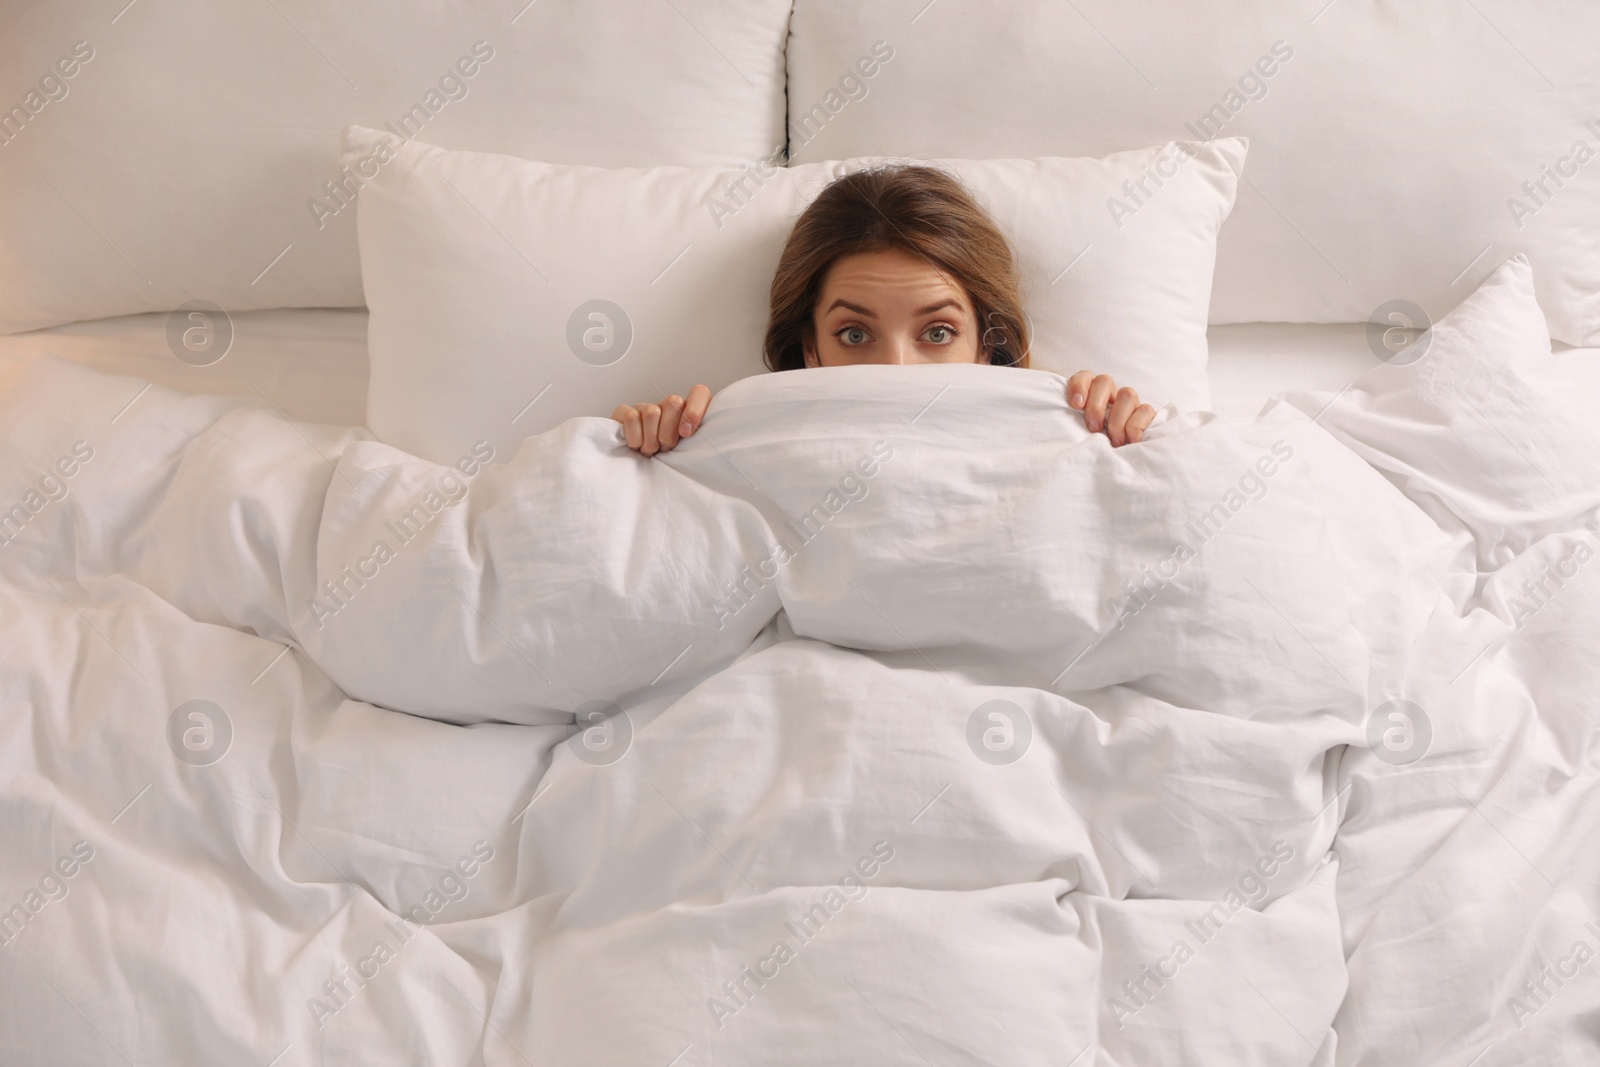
x,y
899,351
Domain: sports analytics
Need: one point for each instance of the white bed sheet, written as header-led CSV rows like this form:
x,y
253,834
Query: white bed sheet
x,y
1254,361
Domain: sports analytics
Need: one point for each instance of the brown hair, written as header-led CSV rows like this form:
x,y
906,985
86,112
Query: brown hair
x,y
921,209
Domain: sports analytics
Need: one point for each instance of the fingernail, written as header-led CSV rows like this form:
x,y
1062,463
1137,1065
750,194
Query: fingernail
x,y
1077,399
685,428
1094,425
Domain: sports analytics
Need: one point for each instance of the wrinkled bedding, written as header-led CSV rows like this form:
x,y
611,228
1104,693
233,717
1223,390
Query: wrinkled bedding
x,y
892,718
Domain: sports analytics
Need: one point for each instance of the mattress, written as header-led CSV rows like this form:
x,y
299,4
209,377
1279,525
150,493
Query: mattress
x,y
311,363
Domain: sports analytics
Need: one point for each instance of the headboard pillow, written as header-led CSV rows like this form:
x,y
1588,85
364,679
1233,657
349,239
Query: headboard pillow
x,y
507,295
151,154
1401,150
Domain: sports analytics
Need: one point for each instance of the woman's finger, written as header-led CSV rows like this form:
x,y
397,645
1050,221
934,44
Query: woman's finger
x,y
1117,418
632,431
1100,390
1078,389
1139,422
694,411
671,414
650,427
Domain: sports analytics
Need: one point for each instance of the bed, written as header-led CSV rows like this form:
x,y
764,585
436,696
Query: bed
x,y
363,698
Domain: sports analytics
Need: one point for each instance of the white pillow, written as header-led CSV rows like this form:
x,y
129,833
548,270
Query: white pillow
x,y
1390,142
184,159
483,274
1487,430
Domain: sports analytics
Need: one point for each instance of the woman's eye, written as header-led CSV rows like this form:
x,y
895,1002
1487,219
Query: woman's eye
x,y
853,335
940,335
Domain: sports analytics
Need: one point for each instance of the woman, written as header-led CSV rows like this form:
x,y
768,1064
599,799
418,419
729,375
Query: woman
x,y
895,265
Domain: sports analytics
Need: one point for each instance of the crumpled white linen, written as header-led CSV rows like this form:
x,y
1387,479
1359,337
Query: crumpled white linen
x,y
1049,732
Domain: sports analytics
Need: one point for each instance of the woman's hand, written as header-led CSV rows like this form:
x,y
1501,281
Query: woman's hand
x,y
652,428
1124,420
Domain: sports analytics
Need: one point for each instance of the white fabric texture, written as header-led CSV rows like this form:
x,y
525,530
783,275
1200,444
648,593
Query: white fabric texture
x,y
184,160
348,881
1467,879
1476,428
957,523
1392,142
479,272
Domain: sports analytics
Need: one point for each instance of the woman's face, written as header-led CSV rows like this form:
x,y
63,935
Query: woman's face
x,y
891,306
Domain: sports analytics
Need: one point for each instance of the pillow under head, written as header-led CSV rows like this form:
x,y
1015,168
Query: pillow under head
x,y
508,295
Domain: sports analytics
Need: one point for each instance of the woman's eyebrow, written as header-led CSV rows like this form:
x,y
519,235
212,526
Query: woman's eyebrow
x,y
859,310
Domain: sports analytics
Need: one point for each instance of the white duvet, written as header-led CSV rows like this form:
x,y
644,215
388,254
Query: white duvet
x,y
893,718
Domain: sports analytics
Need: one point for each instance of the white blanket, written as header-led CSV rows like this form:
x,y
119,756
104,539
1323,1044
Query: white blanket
x,y
893,718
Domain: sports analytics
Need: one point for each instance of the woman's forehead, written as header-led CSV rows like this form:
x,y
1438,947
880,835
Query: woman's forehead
x,y
894,274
